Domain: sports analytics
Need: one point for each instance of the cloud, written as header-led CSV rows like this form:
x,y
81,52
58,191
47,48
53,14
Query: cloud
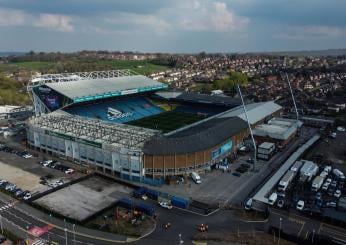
x,y
139,22
12,17
215,17
55,22
314,31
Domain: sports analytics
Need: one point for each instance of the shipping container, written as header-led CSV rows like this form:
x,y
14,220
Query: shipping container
x,y
180,202
152,194
145,208
141,191
125,203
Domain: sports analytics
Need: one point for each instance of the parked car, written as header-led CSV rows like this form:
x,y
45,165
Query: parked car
x,y
165,205
71,171
27,196
331,204
10,187
318,195
281,203
337,193
300,205
59,182
236,174
18,192
248,204
250,160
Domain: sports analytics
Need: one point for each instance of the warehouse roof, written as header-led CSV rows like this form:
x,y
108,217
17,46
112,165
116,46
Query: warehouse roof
x,y
255,111
89,89
200,137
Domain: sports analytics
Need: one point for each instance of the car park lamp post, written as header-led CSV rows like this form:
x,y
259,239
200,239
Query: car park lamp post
x,y
2,229
74,234
65,236
280,231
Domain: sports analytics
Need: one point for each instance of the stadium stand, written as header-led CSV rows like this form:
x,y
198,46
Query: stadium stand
x,y
118,111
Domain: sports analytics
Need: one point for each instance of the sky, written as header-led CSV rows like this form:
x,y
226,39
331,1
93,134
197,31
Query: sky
x,y
176,26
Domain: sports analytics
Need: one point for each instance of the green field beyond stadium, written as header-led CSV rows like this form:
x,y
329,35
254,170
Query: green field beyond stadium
x,y
167,121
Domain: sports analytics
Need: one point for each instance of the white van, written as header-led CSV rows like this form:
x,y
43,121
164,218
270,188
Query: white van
x,y
272,199
196,178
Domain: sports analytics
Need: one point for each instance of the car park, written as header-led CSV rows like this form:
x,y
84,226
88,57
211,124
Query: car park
x,y
318,195
334,183
330,192
18,192
10,187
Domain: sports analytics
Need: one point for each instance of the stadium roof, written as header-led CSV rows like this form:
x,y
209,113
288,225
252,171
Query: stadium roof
x,y
255,111
200,98
98,88
200,137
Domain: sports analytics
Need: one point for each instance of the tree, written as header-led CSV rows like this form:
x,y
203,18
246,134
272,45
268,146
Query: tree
x,y
231,81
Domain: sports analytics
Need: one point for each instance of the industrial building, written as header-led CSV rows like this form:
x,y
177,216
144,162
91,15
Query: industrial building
x,y
277,130
91,118
11,113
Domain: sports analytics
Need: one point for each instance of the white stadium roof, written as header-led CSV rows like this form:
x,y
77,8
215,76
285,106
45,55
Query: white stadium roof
x,y
255,111
89,89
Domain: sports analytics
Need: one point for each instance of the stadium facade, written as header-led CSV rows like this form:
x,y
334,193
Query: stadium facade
x,y
90,118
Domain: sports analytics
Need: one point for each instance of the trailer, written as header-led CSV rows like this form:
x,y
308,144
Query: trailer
x,y
308,171
296,166
286,180
317,183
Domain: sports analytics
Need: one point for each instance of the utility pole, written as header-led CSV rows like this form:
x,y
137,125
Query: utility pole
x,y
249,125
180,240
74,234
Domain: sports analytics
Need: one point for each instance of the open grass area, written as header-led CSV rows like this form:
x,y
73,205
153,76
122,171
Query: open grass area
x,y
167,121
28,65
140,66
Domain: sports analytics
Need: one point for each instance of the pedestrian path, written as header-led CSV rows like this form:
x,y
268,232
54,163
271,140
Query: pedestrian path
x,y
7,206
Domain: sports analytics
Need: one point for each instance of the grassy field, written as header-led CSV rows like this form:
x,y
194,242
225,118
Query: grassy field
x,y
142,67
167,121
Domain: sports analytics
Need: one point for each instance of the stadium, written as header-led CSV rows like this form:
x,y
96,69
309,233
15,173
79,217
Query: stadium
x,y
127,125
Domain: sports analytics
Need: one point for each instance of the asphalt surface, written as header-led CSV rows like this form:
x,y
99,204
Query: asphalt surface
x,y
20,217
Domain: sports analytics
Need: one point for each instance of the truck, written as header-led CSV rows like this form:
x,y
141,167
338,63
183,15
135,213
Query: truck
x,y
272,198
308,171
340,175
196,178
286,180
296,166
317,183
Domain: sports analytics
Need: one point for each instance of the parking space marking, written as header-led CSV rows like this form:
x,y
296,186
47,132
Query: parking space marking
x,y
301,229
298,221
307,235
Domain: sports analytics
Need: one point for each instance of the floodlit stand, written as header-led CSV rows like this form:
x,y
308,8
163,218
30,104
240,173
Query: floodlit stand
x,y
247,120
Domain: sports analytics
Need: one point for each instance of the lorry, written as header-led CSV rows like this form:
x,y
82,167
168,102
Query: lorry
x,y
272,198
286,180
317,183
308,171
296,166
340,175
196,178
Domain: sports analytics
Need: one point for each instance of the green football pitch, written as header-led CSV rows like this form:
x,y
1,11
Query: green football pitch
x,y
167,121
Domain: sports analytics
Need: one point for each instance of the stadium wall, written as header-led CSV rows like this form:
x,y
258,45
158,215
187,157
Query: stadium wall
x,y
182,164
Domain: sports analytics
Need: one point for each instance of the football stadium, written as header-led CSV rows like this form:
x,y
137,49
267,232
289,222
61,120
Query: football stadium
x,y
127,125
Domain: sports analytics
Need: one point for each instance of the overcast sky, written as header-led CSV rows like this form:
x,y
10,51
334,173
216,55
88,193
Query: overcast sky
x,y
172,25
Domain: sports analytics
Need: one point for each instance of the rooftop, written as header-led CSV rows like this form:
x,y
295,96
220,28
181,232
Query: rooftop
x,y
201,136
255,111
97,88
277,128
99,132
